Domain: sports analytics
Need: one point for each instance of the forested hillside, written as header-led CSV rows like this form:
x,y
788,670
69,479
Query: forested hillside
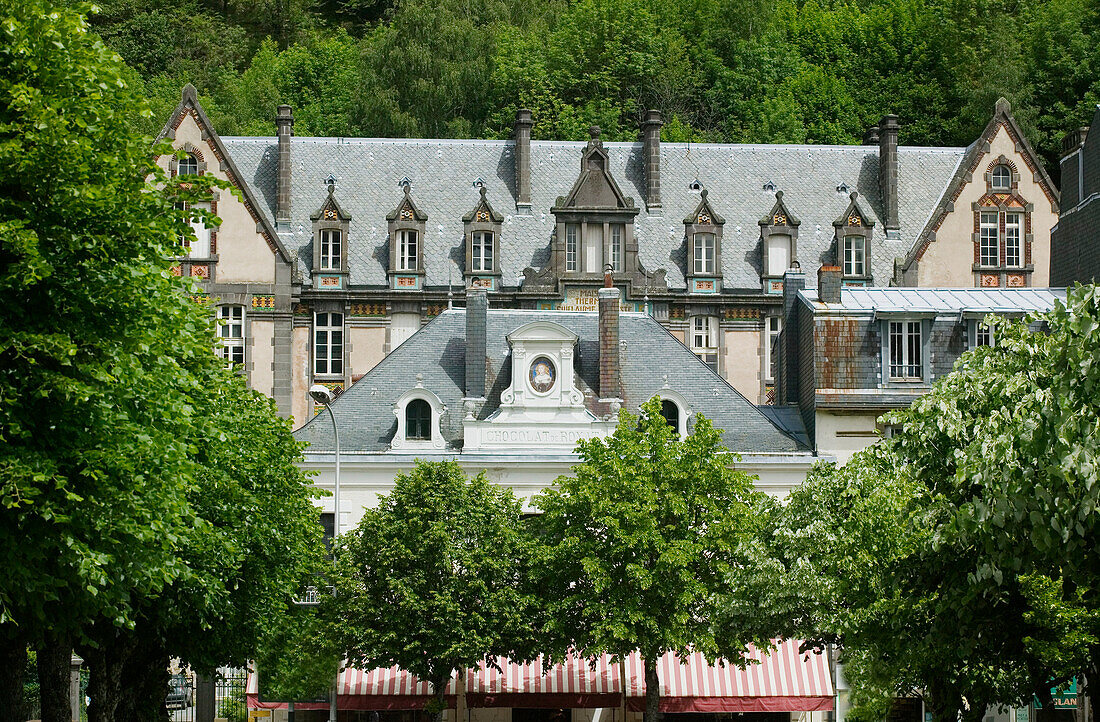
x,y
774,71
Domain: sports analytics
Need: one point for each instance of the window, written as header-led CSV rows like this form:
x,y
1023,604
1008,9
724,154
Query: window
x,y
231,334
704,253
779,254
616,248
407,250
855,252
671,412
328,344
593,248
402,326
704,339
983,335
481,259
188,165
1013,224
989,251
572,230
905,350
331,250
418,420
198,245
1001,179
771,347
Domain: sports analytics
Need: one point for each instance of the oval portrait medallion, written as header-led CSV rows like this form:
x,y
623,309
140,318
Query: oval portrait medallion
x,y
542,374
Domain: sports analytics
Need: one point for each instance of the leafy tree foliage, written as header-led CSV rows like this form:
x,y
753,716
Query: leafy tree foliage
x,y
639,540
432,579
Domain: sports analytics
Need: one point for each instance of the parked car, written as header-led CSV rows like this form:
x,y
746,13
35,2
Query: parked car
x,y
179,692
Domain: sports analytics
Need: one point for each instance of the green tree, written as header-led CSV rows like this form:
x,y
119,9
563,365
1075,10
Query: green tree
x,y
433,578
639,540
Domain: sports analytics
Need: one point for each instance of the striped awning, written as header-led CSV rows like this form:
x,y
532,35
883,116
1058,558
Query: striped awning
x,y
781,680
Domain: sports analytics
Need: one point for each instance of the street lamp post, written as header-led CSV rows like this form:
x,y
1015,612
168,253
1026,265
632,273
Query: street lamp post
x,y
322,395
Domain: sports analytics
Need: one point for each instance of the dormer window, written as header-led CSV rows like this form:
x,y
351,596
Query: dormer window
x,y
482,230
331,253
418,420
778,236
674,409
1001,178
406,231
703,229
572,230
331,227
671,412
1002,230
616,247
854,230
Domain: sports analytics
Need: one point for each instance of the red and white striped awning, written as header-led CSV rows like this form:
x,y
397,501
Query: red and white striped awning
x,y
782,680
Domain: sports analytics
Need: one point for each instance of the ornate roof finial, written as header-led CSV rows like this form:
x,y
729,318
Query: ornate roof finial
x,y
594,132
482,192
703,194
779,195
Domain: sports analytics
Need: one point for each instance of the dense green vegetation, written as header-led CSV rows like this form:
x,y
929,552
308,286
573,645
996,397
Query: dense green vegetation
x,y
720,70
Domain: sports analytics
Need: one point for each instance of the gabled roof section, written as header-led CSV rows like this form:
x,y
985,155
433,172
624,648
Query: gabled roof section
x,y
854,216
704,213
595,187
483,212
964,174
330,207
189,105
406,210
779,215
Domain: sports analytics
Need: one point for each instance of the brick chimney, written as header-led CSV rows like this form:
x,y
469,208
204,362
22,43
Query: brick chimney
x,y
477,312
284,124
888,170
610,373
651,153
523,160
828,284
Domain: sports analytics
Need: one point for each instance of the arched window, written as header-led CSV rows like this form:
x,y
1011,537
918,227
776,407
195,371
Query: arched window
x,y
1002,178
188,165
671,412
418,420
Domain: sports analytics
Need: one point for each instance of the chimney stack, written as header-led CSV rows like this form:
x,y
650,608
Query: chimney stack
x,y
786,384
828,284
523,160
284,124
610,374
477,312
1073,185
870,136
888,170
651,152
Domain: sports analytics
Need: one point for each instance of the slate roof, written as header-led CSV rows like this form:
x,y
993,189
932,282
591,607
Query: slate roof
x,y
942,300
364,412
443,173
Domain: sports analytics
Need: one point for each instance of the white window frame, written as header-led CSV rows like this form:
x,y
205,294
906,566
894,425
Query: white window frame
x,y
328,344
1014,239
572,233
407,249
905,350
616,250
231,334
681,404
855,256
200,246
1001,171
778,260
481,251
705,244
989,238
331,253
400,442
773,326
704,339
980,335
188,165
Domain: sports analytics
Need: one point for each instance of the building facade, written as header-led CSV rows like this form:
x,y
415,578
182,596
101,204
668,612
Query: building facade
x,y
1075,254
336,250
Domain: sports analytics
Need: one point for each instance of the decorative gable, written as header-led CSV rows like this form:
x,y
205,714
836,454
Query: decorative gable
x,y
779,244
406,210
704,214
854,216
406,241
481,229
595,187
854,231
779,216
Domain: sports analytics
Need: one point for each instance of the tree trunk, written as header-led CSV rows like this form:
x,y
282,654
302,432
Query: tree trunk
x,y
145,684
652,690
54,658
13,663
106,662
942,701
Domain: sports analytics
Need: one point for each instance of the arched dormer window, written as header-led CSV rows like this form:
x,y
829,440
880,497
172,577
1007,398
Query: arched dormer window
x,y
331,227
1000,179
187,160
419,413
674,407
188,165
418,421
703,230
